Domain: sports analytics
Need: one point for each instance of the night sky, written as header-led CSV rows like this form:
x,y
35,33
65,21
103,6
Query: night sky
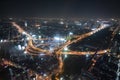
x,y
60,8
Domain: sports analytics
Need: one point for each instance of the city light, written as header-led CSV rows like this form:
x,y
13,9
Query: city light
x,y
25,52
66,49
19,47
23,47
1,40
42,58
39,36
105,50
49,51
93,29
4,40
62,39
61,78
77,23
27,38
33,35
65,56
26,24
41,54
57,38
119,33
61,22
25,44
97,21
42,41
70,33
45,22
44,75
87,55
24,33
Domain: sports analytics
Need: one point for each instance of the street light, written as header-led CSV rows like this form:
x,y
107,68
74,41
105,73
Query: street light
x,y
61,78
65,56
19,47
27,38
25,52
23,33
42,41
70,33
65,48
56,38
1,40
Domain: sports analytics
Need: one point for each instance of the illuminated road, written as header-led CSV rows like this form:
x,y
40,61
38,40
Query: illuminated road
x,y
79,38
20,30
30,45
32,50
84,53
30,42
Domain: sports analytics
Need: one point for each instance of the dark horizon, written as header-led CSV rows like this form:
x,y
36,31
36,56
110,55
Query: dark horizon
x,y
60,8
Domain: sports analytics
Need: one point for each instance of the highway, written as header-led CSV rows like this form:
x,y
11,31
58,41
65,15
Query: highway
x,y
33,50
59,49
